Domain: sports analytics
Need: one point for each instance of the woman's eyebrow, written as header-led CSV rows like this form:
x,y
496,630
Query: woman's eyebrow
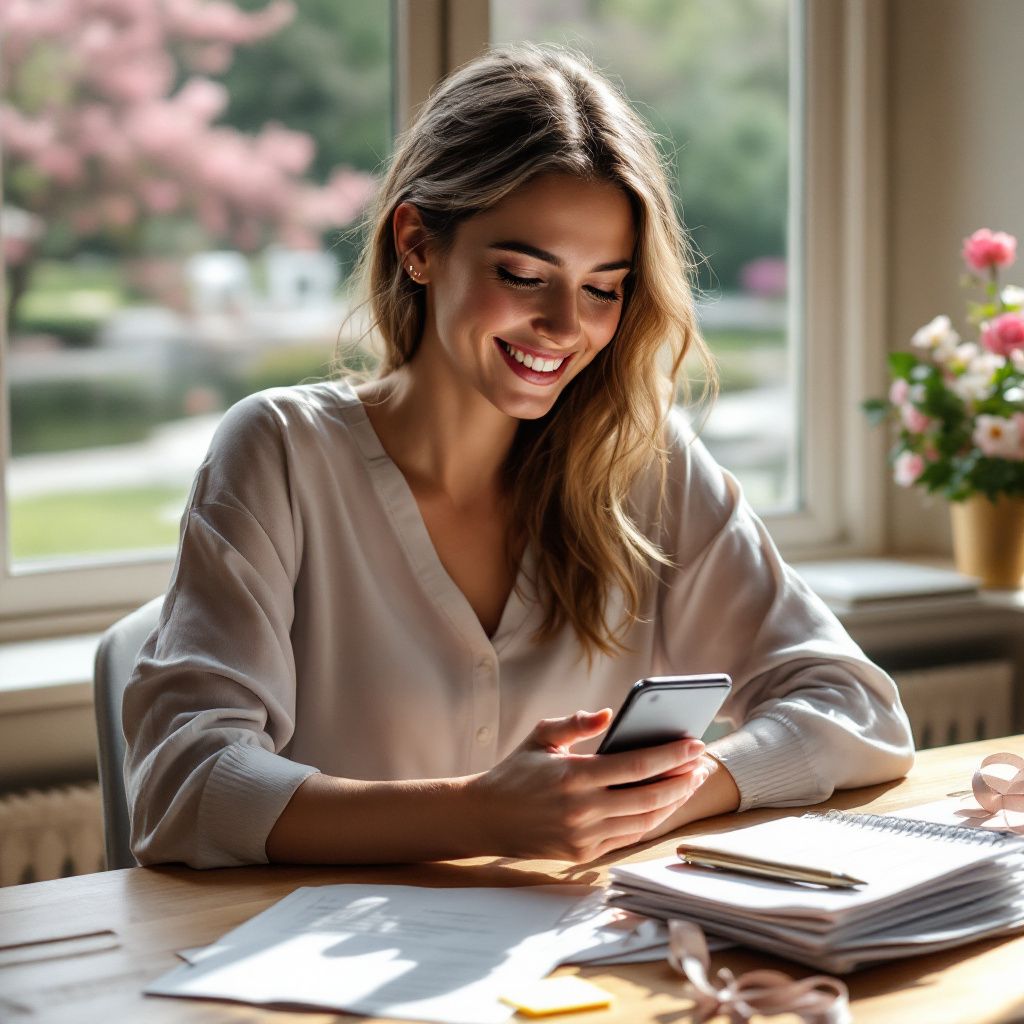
x,y
549,257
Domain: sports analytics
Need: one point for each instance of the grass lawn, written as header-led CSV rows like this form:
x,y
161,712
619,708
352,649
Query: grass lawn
x,y
93,522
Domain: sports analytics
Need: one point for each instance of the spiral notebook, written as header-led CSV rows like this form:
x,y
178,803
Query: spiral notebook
x,y
929,886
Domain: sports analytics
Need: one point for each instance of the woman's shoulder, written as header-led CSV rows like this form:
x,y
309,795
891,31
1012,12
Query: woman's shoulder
x,y
291,407
273,433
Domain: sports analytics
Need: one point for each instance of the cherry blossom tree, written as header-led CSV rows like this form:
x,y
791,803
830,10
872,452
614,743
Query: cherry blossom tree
x,y
109,120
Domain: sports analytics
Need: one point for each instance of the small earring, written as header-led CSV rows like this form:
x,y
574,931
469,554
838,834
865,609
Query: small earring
x,y
414,273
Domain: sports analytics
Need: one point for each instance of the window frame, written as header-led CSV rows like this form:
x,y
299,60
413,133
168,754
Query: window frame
x,y
837,313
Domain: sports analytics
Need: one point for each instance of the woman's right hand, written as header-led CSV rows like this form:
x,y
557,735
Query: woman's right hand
x,y
545,801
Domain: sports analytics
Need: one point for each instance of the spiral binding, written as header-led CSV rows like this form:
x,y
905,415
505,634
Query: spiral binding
x,y
913,827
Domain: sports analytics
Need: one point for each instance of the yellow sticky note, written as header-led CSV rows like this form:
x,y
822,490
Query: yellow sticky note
x,y
558,995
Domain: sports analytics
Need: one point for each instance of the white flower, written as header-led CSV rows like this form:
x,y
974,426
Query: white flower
x,y
1017,355
998,438
917,393
938,338
975,384
962,357
1013,296
986,363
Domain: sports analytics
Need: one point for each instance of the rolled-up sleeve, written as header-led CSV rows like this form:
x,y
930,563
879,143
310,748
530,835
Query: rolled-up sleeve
x,y
211,701
811,713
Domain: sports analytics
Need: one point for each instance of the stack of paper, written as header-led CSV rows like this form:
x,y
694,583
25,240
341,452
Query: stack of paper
x,y
928,887
409,952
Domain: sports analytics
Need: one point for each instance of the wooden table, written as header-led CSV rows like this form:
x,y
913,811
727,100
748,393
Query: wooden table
x,y
143,915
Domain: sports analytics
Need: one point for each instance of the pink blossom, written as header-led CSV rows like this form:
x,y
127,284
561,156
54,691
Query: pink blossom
x,y
289,150
907,468
61,163
899,391
160,196
765,276
212,59
24,135
985,249
202,99
1000,438
204,20
914,420
1003,335
16,250
118,210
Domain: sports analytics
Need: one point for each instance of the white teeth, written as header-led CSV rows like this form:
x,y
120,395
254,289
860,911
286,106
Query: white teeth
x,y
534,363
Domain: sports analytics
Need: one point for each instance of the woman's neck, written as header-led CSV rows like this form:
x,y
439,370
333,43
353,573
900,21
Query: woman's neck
x,y
444,440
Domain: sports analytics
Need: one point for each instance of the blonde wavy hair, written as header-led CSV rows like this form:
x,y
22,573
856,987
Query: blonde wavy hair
x,y
489,128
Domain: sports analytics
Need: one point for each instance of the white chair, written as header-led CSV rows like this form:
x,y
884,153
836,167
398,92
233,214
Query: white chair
x,y
115,658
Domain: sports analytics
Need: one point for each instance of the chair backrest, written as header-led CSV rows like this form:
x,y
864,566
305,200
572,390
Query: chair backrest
x,y
115,657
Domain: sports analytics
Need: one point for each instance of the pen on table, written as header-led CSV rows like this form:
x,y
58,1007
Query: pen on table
x,y
747,865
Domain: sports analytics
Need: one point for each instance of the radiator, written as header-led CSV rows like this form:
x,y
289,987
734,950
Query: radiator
x,y
50,833
958,703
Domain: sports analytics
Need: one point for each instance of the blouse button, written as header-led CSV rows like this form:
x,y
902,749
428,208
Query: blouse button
x,y
483,734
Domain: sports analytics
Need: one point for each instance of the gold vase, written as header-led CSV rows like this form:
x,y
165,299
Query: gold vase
x,y
988,540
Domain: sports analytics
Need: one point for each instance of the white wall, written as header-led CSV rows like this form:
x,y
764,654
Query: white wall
x,y
956,163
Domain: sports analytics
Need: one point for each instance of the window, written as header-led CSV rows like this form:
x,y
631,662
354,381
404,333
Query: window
x,y
141,309
711,77
181,186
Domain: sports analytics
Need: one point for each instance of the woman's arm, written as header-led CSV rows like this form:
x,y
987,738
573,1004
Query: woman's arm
x,y
810,712
541,801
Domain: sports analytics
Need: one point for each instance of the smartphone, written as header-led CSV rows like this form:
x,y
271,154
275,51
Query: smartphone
x,y
665,708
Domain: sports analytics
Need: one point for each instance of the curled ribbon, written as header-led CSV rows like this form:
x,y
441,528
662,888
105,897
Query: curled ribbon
x,y
816,1000
999,797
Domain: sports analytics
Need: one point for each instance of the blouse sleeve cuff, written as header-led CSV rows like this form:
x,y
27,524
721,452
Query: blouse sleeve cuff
x,y
244,796
769,765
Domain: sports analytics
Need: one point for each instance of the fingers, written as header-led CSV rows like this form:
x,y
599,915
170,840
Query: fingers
x,y
667,792
564,732
622,817
638,765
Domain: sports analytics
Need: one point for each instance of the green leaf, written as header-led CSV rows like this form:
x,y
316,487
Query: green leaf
x,y
902,364
876,409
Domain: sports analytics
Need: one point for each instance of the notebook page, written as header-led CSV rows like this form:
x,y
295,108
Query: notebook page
x,y
891,864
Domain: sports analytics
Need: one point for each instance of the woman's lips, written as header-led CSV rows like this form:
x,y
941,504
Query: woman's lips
x,y
527,374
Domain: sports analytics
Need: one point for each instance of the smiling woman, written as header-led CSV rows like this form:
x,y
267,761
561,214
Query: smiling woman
x,y
391,601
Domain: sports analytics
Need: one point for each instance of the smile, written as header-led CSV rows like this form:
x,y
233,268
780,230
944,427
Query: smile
x,y
530,361
532,367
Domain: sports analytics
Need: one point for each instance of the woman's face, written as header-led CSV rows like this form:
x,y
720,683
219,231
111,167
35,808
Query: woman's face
x,y
536,280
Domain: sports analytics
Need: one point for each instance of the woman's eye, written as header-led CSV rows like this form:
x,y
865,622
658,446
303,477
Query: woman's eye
x,y
602,295
514,281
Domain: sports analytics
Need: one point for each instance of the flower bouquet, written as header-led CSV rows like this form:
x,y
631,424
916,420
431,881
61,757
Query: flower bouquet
x,y
959,405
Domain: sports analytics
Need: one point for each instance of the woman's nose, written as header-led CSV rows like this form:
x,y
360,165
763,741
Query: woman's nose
x,y
559,319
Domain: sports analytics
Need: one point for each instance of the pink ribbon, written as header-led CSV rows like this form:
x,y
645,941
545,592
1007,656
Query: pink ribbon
x,y
816,1000
998,797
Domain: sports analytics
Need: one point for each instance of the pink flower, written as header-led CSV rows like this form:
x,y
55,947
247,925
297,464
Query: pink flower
x,y
899,391
908,468
987,248
1003,335
1000,438
914,420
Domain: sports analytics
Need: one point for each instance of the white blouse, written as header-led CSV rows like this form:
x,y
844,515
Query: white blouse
x,y
310,626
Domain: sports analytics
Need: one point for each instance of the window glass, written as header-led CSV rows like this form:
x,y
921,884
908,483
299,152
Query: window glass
x,y
182,185
711,77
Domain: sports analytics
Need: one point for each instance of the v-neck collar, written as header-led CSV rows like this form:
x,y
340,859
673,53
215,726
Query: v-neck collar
x,y
404,513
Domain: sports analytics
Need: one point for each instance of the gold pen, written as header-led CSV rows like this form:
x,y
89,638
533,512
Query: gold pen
x,y
747,865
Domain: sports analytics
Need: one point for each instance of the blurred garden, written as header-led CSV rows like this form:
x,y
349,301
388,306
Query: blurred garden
x,y
183,182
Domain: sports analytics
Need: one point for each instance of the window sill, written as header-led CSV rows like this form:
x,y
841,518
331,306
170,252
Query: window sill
x,y
47,724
